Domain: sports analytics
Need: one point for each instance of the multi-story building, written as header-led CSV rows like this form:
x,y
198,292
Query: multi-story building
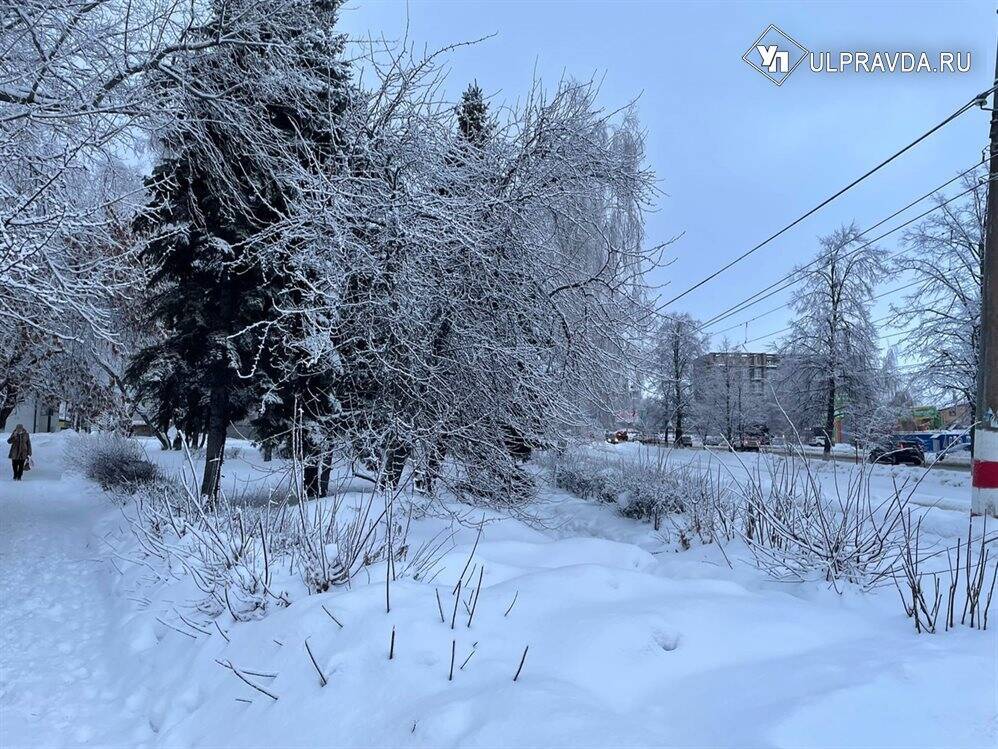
x,y
758,368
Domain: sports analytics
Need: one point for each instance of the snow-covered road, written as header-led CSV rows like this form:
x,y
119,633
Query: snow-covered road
x,y
59,661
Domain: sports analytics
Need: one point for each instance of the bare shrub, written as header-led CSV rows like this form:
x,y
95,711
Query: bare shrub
x,y
708,512
114,462
797,530
966,578
582,475
245,550
685,502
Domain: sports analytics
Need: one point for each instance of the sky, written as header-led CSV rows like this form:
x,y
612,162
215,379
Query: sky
x,y
736,157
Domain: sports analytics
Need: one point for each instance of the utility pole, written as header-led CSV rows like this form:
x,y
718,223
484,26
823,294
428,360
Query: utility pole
x,y
984,500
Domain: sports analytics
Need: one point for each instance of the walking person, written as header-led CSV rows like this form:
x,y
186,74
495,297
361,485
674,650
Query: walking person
x,y
20,450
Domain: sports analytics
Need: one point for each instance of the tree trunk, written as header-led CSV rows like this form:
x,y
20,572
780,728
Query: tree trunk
x,y
434,460
324,471
677,375
5,413
310,477
396,456
218,423
829,417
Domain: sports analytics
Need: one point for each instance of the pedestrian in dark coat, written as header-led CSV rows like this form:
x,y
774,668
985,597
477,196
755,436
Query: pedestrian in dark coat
x,y
20,450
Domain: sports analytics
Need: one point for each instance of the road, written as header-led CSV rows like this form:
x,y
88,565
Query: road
x,y
838,457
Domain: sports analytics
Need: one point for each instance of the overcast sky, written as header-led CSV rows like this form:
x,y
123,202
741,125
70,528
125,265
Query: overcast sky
x,y
736,156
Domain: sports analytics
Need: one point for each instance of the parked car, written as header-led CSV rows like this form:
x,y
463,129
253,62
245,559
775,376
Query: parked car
x,y
653,439
955,448
686,440
898,453
817,441
749,444
711,441
617,437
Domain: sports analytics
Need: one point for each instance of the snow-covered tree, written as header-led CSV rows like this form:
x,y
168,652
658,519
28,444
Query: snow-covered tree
x,y
73,101
243,145
892,405
726,402
475,287
679,343
942,316
830,355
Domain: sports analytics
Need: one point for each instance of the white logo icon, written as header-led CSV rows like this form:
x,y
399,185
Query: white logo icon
x,y
775,54
774,60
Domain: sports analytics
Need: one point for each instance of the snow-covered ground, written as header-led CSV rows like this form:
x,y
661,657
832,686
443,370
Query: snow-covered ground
x,y
630,643
60,655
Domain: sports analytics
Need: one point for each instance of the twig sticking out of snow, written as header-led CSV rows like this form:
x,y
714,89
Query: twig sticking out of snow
x,y
924,607
478,591
322,677
246,681
922,610
191,624
457,597
388,577
221,632
470,556
522,660
332,617
177,629
261,674
440,606
975,581
468,658
453,650
391,646
512,603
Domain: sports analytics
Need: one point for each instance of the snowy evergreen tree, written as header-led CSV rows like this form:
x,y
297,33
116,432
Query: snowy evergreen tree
x,y
251,124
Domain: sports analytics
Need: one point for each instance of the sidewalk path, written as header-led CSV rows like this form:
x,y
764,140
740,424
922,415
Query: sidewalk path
x,y
58,656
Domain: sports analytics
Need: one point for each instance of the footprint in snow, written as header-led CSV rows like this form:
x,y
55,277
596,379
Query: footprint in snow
x,y
667,641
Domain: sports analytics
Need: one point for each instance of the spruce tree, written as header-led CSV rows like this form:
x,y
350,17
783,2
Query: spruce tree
x,y
252,124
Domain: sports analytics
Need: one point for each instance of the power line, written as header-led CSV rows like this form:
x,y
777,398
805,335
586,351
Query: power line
x,y
748,301
796,276
826,201
784,306
872,322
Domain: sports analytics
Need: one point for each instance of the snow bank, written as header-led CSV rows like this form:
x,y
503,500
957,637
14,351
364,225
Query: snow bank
x,y
624,649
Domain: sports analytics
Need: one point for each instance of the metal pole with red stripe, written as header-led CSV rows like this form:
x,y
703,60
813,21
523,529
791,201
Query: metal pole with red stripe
x,y
984,500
